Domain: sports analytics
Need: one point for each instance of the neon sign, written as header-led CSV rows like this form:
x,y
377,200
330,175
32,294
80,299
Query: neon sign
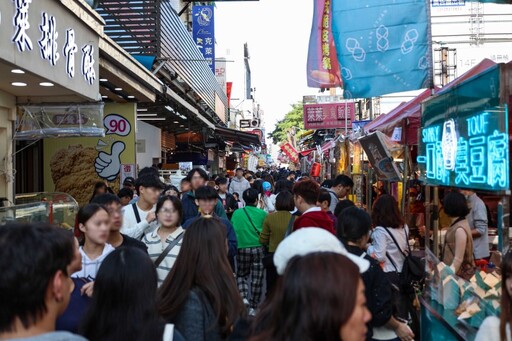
x,y
470,152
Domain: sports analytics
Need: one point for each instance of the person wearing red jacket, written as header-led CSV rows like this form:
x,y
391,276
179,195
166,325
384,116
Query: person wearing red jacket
x,y
305,195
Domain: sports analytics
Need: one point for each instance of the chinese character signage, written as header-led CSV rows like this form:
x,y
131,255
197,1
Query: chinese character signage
x,y
464,141
383,46
323,68
43,37
203,32
291,152
329,115
379,157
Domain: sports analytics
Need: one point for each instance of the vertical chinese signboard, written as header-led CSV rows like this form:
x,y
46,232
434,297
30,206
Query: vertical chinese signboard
x,y
203,32
323,67
464,141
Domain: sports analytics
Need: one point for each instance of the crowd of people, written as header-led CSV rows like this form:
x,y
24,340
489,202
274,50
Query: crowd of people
x,y
261,256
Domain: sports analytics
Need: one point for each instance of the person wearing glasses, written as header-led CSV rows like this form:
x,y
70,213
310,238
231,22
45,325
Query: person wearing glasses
x,y
164,243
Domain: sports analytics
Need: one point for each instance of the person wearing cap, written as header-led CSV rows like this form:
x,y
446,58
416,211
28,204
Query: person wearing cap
x,y
269,198
305,195
239,184
353,229
307,260
129,183
198,178
140,218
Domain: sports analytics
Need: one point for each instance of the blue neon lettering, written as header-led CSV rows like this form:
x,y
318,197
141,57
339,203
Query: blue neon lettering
x,y
477,125
481,160
431,134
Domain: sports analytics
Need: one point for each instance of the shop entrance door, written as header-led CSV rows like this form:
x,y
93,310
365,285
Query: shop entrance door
x,y
29,167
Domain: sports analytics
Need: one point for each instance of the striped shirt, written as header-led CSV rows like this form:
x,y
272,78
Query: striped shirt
x,y
156,247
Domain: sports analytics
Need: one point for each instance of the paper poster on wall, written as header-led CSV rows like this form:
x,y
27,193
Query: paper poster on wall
x,y
128,170
75,165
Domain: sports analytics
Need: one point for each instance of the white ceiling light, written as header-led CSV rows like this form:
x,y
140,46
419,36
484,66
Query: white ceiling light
x,y
104,96
145,115
142,109
131,97
103,80
169,108
18,84
182,126
176,122
46,84
118,89
150,119
17,71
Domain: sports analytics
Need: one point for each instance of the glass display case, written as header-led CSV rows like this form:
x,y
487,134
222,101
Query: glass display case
x,y
453,308
55,208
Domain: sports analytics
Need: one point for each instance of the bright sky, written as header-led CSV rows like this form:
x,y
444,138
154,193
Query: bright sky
x,y
277,33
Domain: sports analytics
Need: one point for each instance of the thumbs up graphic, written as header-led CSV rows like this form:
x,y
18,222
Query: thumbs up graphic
x,y
108,166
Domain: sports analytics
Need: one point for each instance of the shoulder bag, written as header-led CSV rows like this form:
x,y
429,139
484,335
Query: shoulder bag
x,y
413,271
136,212
168,249
252,224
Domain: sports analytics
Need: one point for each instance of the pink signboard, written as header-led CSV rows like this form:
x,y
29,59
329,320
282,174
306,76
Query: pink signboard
x,y
329,115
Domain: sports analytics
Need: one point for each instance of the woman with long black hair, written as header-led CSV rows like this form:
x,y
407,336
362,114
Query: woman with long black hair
x,y
123,306
200,295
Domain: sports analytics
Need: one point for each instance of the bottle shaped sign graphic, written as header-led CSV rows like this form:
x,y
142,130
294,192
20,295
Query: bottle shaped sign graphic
x,y
449,145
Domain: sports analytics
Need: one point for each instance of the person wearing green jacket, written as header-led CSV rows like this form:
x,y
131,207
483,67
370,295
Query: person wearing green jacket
x,y
248,223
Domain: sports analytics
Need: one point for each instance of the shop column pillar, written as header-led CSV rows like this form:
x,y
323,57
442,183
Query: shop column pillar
x,y
7,119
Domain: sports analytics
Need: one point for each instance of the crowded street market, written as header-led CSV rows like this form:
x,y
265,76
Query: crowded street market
x,y
255,170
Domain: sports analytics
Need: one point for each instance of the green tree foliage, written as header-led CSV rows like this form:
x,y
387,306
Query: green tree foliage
x,y
294,118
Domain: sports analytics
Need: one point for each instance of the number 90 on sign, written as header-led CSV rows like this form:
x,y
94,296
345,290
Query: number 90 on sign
x,y
116,124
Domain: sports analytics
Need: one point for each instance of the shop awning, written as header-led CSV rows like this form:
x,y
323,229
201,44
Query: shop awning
x,y
237,136
307,152
477,69
410,110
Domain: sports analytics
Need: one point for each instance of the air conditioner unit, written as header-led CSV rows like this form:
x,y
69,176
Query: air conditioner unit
x,y
255,123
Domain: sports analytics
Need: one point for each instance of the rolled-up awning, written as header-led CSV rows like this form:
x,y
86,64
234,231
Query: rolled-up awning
x,y
237,136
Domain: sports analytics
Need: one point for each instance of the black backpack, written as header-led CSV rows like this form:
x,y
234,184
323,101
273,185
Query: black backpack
x,y
412,276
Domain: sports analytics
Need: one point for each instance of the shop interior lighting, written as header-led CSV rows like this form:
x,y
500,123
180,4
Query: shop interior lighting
x,y
169,109
142,109
118,89
131,97
103,80
46,84
18,84
104,96
18,71
146,115
150,119
182,126
176,122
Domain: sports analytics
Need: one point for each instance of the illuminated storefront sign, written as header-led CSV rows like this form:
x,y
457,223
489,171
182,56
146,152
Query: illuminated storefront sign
x,y
51,42
467,146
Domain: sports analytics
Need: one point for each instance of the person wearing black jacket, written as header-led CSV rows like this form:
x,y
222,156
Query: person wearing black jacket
x,y
228,200
353,229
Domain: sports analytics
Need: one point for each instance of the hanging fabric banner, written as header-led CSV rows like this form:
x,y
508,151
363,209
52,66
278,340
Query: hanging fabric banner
x,y
291,152
383,46
323,68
